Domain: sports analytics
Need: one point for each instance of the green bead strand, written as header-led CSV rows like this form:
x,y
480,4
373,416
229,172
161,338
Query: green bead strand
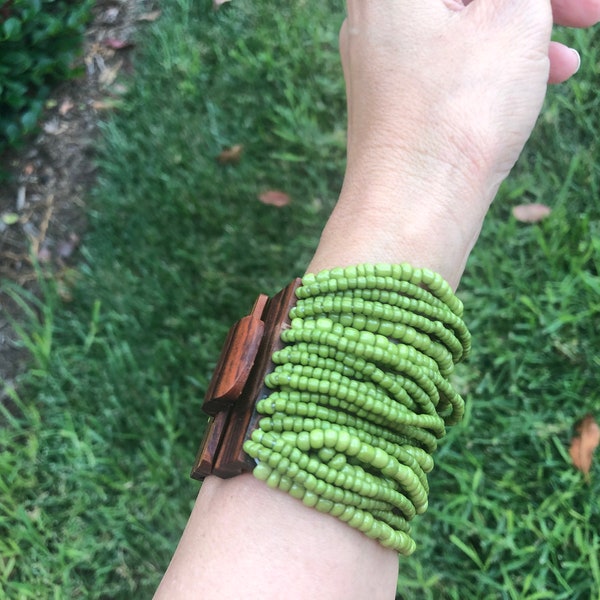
x,y
381,277
409,312
401,334
400,357
280,423
282,404
401,389
421,376
362,394
406,433
350,488
400,299
397,385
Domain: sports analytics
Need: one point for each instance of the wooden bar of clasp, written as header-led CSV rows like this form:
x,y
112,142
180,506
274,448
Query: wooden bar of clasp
x,y
238,383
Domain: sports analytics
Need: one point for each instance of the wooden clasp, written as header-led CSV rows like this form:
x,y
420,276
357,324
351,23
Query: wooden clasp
x,y
236,360
238,383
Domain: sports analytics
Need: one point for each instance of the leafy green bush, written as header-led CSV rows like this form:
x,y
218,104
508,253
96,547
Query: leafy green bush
x,y
39,40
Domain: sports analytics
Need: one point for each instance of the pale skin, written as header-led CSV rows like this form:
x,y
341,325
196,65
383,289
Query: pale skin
x,y
441,99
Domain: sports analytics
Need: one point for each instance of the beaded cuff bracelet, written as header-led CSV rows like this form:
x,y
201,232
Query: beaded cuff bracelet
x,y
336,391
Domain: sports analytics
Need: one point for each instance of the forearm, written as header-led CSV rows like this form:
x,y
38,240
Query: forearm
x,y
394,223
245,540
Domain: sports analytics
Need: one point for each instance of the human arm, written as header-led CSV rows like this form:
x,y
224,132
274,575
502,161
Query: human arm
x,y
245,540
438,112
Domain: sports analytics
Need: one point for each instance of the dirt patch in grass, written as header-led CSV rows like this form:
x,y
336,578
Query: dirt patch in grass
x,y
42,206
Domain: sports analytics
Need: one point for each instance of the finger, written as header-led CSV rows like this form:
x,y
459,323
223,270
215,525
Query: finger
x,y
576,13
564,62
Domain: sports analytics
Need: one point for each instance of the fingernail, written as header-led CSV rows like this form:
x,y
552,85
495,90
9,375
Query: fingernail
x,y
578,58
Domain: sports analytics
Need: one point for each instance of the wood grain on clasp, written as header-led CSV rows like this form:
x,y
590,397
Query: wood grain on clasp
x,y
238,383
236,360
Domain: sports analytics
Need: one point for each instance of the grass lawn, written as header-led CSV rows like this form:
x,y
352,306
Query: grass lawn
x,y
95,451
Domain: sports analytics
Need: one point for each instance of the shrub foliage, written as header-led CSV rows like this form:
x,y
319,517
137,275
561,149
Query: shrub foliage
x,y
39,41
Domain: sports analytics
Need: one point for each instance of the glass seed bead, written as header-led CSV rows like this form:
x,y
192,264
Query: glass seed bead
x,y
317,438
366,453
353,447
310,499
273,480
380,458
292,470
327,453
348,513
310,481
303,441
330,438
324,506
296,491
320,487
357,520
338,462
272,458
343,441
331,476
263,454
262,471
337,509
289,437
285,483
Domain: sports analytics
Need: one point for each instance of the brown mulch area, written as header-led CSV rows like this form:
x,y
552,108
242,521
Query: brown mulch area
x,y
42,207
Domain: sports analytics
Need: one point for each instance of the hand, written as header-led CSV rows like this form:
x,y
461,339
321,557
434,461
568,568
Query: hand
x,y
441,99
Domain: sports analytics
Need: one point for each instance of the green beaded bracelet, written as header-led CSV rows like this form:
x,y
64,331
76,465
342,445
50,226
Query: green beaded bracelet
x,y
337,392
360,395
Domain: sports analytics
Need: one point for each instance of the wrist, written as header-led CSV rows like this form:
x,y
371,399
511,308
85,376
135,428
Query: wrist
x,y
399,219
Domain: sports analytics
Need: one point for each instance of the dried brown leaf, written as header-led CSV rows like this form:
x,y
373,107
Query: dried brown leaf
x,y
111,15
109,74
65,106
44,254
584,443
117,44
531,213
150,16
54,127
66,247
275,198
107,104
231,155
65,282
